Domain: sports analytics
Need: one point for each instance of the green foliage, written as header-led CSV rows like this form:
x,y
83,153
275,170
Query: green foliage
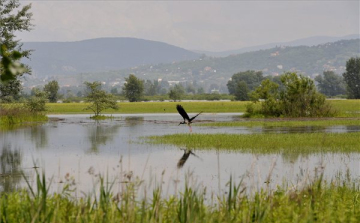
x,y
10,68
99,99
330,84
52,89
243,82
10,90
352,77
37,103
242,91
176,92
133,88
13,18
298,98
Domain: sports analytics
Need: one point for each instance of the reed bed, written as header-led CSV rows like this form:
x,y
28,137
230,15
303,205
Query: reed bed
x,y
319,201
265,143
14,115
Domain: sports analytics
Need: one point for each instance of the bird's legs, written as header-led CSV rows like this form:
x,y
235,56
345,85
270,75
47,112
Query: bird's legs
x,y
190,128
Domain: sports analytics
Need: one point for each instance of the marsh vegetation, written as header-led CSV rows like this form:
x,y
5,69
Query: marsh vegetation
x,y
86,182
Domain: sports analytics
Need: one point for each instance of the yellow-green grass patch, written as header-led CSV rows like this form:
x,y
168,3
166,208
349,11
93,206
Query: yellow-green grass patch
x,y
265,143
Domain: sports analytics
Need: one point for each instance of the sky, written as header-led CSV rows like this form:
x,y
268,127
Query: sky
x,y
193,25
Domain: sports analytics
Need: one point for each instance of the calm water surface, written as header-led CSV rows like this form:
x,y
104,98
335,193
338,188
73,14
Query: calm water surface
x,y
73,148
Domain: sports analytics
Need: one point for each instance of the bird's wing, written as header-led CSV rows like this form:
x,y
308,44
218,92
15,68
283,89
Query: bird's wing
x,y
195,116
182,112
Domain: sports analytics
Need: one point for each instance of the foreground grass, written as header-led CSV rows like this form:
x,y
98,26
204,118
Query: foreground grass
x,y
265,143
287,122
320,201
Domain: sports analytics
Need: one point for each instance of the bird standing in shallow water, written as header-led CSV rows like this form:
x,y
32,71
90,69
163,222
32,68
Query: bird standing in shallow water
x,y
185,116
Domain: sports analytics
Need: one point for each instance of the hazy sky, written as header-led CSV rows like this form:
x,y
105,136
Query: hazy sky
x,y
194,25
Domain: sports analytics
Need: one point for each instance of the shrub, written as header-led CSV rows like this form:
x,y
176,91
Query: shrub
x,y
297,98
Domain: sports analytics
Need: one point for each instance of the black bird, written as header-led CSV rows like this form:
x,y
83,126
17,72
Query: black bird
x,y
185,116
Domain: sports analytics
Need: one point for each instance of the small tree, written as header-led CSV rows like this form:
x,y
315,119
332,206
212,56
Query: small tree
x,y
133,88
176,92
352,77
37,102
52,89
99,99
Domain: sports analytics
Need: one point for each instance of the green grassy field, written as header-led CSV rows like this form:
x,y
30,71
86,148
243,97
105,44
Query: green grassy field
x,y
152,107
346,108
265,143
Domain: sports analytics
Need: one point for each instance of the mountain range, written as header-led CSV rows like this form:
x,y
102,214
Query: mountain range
x,y
110,60
106,54
103,54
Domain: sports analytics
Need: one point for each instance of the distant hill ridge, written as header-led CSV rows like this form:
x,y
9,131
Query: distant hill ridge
x,y
310,41
61,58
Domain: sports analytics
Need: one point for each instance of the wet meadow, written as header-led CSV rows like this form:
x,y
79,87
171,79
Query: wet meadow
x,y
141,166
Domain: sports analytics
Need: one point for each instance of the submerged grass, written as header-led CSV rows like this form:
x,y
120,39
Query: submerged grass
x,y
265,143
287,122
319,201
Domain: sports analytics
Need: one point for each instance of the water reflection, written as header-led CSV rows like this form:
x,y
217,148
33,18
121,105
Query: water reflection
x,y
74,143
290,158
38,135
10,168
185,157
99,134
134,120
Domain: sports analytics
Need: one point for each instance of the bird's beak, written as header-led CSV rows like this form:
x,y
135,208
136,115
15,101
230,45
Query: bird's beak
x,y
179,123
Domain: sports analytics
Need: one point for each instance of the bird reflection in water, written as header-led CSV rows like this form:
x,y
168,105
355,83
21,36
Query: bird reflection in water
x,y
185,157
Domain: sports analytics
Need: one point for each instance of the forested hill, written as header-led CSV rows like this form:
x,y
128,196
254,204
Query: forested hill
x,y
217,71
56,58
302,59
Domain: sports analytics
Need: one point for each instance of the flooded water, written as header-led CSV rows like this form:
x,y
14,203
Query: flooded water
x,y
75,149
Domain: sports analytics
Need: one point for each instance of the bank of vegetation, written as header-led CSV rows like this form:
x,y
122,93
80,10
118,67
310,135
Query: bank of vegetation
x,y
318,201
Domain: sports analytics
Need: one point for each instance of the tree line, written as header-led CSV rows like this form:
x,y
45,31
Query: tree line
x,y
329,83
